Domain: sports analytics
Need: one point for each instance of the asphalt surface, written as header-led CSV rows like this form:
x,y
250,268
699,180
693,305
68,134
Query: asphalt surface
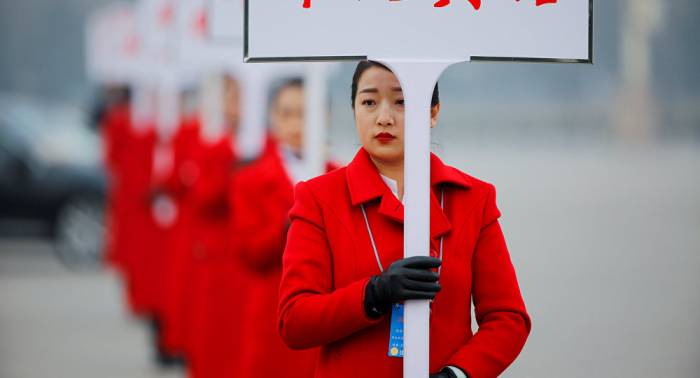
x,y
605,240
60,323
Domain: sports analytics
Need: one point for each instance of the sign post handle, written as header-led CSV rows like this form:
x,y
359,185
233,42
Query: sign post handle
x,y
251,134
418,80
316,95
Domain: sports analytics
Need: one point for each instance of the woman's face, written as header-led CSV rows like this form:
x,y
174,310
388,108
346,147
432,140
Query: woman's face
x,y
379,115
287,117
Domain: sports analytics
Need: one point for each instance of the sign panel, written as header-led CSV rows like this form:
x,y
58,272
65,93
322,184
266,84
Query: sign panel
x,y
113,46
157,22
457,30
203,39
225,28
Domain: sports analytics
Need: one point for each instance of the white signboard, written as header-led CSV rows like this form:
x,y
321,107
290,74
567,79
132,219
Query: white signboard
x,y
204,40
113,45
224,28
402,29
157,21
210,40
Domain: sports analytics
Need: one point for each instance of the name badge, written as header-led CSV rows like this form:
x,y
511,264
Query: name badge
x,y
396,331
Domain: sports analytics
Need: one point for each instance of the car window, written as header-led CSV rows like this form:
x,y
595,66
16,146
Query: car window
x,y
50,133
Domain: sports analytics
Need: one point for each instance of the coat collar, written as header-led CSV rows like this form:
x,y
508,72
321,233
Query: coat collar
x,y
365,184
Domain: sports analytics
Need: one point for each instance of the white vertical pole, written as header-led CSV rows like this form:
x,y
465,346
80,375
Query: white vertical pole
x,y
251,135
417,81
212,107
167,120
316,94
141,106
642,19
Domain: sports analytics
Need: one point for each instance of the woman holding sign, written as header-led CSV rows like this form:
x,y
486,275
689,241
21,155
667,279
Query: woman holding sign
x,y
344,276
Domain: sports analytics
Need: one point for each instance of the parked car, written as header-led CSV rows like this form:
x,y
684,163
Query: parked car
x,y
51,171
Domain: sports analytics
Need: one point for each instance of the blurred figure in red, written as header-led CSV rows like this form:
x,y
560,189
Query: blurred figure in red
x,y
111,114
164,213
209,277
174,240
262,198
129,141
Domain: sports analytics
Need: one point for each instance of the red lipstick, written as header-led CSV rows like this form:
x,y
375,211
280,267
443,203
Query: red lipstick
x,y
384,137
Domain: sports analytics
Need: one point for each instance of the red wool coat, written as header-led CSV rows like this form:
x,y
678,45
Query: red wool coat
x,y
210,301
135,184
262,200
179,242
328,261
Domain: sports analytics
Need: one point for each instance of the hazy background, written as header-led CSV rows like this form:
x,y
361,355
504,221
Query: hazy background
x,y
598,175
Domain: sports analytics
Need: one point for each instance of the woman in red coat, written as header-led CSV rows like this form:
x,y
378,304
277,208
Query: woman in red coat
x,y
262,198
178,186
343,266
211,315
134,182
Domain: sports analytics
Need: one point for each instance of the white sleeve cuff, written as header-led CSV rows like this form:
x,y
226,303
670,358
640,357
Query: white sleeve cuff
x,y
458,372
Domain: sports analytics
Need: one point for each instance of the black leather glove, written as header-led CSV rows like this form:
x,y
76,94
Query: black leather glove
x,y
444,373
410,278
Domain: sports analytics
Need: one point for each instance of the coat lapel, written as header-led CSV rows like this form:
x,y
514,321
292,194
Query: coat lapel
x,y
365,184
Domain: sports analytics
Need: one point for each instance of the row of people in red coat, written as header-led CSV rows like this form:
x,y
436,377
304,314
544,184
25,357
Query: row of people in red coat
x,y
199,246
336,257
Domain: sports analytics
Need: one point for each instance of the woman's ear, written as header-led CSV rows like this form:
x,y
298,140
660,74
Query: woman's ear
x,y
434,112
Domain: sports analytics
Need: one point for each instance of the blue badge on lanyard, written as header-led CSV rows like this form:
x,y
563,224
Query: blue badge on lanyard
x,y
396,331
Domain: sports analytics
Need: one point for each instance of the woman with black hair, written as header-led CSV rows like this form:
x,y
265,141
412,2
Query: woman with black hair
x,y
343,266
262,197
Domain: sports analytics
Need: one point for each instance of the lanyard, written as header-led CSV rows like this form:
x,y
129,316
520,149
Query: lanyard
x,y
374,245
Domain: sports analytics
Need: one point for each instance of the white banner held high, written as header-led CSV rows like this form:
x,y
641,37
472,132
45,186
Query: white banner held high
x,y
460,31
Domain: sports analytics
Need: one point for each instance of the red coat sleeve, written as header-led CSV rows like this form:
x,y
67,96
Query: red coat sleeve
x,y
312,312
215,169
500,312
260,223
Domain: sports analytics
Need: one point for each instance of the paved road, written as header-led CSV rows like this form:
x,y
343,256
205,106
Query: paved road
x,y
606,242
55,323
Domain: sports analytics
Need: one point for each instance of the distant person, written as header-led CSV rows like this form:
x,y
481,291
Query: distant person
x,y
262,197
128,149
343,267
213,319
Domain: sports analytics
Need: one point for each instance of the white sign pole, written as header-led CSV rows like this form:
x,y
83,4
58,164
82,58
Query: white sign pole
x,y
251,135
418,80
211,105
141,106
166,125
316,93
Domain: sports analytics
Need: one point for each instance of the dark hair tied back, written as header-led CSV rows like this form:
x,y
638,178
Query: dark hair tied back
x,y
364,65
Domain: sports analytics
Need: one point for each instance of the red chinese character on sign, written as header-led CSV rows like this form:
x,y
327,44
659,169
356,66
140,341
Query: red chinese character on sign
x,y
443,3
477,3
200,23
165,16
131,45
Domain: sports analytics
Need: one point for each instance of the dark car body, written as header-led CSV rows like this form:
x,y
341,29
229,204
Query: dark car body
x,y
51,172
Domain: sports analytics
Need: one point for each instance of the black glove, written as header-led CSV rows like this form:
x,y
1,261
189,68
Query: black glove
x,y
410,278
444,373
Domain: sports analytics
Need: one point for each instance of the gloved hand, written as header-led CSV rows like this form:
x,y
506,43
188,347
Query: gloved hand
x,y
410,278
444,373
